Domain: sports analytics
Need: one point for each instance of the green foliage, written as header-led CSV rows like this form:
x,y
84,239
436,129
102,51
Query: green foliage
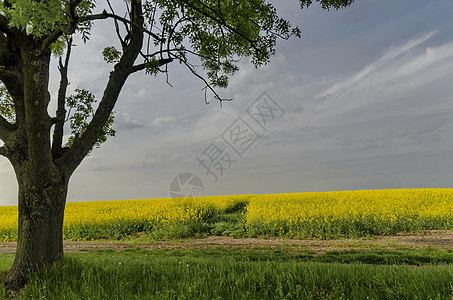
x,y
152,67
7,104
82,104
111,54
42,17
327,4
220,32
59,46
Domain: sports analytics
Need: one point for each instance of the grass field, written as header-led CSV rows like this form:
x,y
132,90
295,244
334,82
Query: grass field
x,y
229,274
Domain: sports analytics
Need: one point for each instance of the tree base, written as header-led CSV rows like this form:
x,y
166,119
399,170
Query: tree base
x,y
14,283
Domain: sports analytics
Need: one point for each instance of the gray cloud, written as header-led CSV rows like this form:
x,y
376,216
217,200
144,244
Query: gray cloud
x,y
124,121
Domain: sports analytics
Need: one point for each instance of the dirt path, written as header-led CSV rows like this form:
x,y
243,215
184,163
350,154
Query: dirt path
x,y
441,239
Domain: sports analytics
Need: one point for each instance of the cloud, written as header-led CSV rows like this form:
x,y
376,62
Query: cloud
x,y
124,121
397,85
434,58
392,53
141,93
250,81
160,121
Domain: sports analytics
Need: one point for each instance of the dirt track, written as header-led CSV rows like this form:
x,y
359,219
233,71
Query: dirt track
x,y
441,239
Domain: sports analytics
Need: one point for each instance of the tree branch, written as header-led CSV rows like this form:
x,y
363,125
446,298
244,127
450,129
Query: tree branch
x,y
14,83
160,63
6,129
85,142
10,31
207,84
105,15
57,141
9,75
117,27
72,26
327,4
68,29
12,74
3,151
219,21
53,37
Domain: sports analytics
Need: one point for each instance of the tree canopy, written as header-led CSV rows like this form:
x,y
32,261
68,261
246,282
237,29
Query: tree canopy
x,y
156,33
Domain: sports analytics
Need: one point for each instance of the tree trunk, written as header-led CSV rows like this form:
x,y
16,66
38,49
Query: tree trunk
x,y
40,236
42,182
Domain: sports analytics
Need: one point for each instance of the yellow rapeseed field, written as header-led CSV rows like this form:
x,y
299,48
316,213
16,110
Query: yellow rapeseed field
x,y
350,212
84,219
8,222
322,215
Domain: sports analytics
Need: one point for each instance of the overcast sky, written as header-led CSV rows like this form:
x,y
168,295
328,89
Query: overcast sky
x,y
362,101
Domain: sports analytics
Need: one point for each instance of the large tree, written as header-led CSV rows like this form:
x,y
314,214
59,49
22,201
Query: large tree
x,y
152,34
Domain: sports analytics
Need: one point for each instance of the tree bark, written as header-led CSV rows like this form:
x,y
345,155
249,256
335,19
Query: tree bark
x,y
40,235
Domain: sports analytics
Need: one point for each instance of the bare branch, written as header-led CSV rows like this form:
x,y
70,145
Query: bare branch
x,y
59,121
207,84
75,20
105,15
117,27
190,66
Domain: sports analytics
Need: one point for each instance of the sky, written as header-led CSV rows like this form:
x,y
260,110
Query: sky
x,y
362,101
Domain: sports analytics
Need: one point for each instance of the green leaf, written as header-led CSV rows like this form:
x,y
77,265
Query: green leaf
x,y
81,112
40,18
111,54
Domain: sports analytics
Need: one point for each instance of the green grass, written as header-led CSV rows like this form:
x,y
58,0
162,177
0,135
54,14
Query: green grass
x,y
346,228
219,223
228,274
423,257
225,223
